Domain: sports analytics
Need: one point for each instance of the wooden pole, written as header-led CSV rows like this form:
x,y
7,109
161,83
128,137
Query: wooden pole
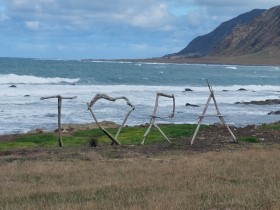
x,y
59,121
148,130
59,102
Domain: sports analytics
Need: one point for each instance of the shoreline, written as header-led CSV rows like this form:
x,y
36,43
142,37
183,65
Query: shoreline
x,y
247,60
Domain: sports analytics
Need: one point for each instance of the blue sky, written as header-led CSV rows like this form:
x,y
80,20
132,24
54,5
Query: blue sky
x,y
109,29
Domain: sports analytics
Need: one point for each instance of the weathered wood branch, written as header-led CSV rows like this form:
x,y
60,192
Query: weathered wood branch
x,y
106,97
219,115
59,97
154,116
156,105
103,129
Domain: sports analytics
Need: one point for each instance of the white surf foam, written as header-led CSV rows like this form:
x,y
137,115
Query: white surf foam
x,y
231,67
27,79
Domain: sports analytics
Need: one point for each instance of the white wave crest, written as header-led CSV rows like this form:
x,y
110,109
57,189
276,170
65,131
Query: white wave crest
x,y
231,67
27,79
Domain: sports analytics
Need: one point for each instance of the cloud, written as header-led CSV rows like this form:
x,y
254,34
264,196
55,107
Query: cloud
x,y
3,17
82,13
110,28
33,25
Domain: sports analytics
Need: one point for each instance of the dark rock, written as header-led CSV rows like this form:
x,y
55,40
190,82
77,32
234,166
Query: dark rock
x,y
242,89
26,95
274,113
225,90
188,90
93,142
266,102
13,86
187,104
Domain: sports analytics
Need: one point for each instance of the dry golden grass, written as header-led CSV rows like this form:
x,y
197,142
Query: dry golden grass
x,y
247,179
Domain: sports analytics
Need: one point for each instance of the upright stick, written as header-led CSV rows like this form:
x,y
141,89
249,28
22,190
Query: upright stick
x,y
59,101
59,122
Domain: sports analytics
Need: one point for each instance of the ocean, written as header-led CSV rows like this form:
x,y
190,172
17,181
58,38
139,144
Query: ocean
x,y
21,109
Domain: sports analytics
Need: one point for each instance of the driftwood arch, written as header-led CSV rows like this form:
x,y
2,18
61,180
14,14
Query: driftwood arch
x,y
154,116
106,97
218,114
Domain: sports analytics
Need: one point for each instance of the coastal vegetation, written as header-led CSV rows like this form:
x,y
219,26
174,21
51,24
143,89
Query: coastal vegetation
x,y
128,136
211,174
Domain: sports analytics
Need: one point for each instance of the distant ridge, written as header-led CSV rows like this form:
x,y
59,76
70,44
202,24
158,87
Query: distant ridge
x,y
203,45
253,35
261,36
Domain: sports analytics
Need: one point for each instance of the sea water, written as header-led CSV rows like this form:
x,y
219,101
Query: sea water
x,y
21,109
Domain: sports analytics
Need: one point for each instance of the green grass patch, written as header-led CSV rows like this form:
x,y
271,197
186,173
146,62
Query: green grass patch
x,y
42,140
134,135
249,139
128,135
16,145
270,126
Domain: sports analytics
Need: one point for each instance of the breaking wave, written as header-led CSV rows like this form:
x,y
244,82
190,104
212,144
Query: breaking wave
x,y
27,79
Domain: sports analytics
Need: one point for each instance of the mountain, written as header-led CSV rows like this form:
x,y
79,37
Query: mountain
x,y
204,45
261,35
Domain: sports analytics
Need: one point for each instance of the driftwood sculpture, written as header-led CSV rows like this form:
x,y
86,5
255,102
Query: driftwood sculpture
x,y
106,97
219,115
60,143
154,117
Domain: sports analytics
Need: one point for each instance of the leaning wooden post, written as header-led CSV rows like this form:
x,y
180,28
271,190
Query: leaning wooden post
x,y
59,101
219,115
154,116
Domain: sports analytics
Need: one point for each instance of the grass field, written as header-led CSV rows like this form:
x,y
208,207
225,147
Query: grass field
x,y
211,174
245,179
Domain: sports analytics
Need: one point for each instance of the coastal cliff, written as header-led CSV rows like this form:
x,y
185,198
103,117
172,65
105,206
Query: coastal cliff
x,y
251,38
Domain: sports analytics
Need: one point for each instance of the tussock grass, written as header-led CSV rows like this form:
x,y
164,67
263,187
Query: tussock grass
x,y
270,126
244,179
249,139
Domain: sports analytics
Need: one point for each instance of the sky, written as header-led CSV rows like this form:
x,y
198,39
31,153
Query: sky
x,y
111,29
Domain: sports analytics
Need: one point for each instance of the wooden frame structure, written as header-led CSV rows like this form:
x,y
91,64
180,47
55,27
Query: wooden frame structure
x,y
106,97
154,116
60,143
219,115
